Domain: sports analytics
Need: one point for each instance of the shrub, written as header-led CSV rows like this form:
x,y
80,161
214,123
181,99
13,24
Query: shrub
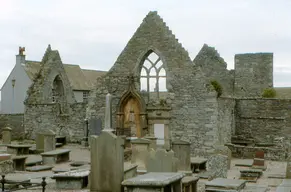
x,y
269,93
217,87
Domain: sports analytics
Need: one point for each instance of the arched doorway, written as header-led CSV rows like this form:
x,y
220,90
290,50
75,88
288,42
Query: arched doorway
x,y
131,115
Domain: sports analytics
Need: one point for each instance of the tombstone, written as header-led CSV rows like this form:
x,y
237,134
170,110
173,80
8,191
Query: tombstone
x,y
182,153
140,152
224,150
288,170
217,165
95,126
49,140
153,141
6,135
107,162
161,161
259,161
39,141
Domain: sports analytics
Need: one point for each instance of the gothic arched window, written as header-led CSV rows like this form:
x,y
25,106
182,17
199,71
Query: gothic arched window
x,y
153,74
58,89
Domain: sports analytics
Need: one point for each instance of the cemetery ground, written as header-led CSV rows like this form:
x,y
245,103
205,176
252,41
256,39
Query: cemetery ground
x,y
271,178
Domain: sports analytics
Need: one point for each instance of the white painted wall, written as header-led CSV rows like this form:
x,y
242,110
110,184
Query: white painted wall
x,y
78,96
12,99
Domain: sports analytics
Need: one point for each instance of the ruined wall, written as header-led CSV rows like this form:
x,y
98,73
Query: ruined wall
x,y
226,119
215,68
46,116
15,122
263,119
253,74
192,99
65,117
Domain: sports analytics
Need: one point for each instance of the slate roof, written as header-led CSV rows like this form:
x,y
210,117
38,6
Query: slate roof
x,y
80,79
283,92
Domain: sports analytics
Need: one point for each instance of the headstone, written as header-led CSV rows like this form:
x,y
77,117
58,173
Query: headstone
x,y
217,164
108,114
95,126
39,141
49,138
153,141
6,135
161,161
140,152
288,170
107,162
260,154
224,150
182,153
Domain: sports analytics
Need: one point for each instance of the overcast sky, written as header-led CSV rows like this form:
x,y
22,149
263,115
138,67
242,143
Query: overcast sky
x,y
92,33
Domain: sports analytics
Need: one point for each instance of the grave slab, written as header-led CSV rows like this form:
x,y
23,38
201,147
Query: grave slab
x,y
38,168
60,170
33,162
245,163
222,184
72,180
78,163
155,181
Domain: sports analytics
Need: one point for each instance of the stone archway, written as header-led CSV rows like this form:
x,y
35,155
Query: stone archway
x,y
131,113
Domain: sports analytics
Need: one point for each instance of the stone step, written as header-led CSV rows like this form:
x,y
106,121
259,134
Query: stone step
x,y
38,168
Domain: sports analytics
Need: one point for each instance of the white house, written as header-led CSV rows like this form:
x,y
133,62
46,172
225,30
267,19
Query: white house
x,y
13,91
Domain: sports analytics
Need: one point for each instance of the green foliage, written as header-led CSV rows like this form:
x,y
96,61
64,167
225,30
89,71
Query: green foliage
x,y
269,93
217,87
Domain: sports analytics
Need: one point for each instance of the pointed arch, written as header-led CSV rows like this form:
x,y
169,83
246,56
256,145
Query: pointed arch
x,y
153,73
131,113
58,90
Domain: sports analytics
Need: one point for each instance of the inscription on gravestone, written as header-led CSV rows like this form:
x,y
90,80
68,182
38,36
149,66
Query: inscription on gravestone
x,y
95,126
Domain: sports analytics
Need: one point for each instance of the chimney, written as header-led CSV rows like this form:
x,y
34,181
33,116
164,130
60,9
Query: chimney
x,y
20,58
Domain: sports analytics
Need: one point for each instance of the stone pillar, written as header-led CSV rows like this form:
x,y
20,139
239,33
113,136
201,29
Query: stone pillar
x,y
6,135
140,152
182,152
49,138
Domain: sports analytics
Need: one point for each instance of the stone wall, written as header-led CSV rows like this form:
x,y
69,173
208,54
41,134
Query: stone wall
x,y
253,74
215,68
226,119
263,119
47,116
64,116
193,102
15,122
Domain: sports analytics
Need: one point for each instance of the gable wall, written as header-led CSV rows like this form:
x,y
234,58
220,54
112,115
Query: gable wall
x,y
193,101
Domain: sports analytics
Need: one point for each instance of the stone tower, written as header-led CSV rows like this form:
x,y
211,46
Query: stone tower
x,y
253,74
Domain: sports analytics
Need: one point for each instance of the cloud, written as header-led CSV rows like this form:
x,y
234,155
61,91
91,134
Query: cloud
x,y
93,33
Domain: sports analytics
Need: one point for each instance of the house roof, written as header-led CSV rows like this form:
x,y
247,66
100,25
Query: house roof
x,y
92,75
80,79
283,92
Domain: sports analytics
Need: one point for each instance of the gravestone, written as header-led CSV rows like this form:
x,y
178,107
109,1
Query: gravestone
x,y
288,170
217,165
95,126
182,153
107,162
161,161
39,141
6,135
49,139
140,152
